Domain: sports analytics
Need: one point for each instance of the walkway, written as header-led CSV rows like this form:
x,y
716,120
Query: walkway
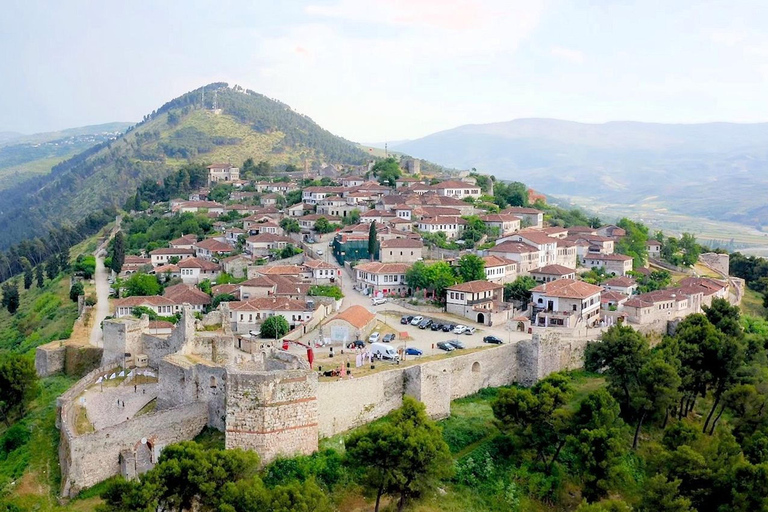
x,y
102,405
101,278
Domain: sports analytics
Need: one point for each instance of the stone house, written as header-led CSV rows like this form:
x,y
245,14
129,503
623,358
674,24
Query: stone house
x,y
211,248
451,226
479,301
354,323
661,306
165,255
530,217
505,224
499,269
623,284
526,256
552,273
133,264
196,270
236,265
378,279
612,301
400,250
565,303
616,264
222,173
249,314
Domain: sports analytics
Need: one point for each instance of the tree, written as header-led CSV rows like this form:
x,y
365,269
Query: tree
x,y
471,268
293,197
352,218
274,327
118,252
387,171
39,277
222,297
76,290
657,390
290,225
405,458
52,268
634,242
510,194
11,296
691,249
325,291
323,226
28,276
520,290
661,494
605,506
18,385
440,276
140,284
372,241
220,192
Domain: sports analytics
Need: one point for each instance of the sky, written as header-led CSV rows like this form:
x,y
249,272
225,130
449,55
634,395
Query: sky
x,y
386,70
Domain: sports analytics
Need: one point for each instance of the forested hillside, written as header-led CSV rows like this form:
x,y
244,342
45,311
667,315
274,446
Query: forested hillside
x,y
186,129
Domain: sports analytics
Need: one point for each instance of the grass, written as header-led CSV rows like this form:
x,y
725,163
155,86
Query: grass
x,y
149,408
82,424
752,304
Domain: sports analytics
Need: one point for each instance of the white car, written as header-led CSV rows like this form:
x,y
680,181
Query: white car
x,y
378,300
459,329
469,330
319,252
375,337
417,320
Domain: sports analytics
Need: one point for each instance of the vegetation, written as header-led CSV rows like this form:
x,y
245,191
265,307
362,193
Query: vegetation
x,y
520,290
274,327
634,243
290,225
325,291
322,225
387,171
140,284
471,267
434,277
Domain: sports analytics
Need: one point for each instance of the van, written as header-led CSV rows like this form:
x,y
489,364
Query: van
x,y
384,351
378,300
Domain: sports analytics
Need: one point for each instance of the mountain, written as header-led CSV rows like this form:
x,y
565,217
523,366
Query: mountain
x,y
244,125
25,156
714,170
8,136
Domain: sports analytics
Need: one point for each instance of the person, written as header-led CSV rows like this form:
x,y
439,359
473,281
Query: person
x,y
134,388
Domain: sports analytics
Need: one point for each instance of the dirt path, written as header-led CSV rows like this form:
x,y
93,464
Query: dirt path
x,y
102,290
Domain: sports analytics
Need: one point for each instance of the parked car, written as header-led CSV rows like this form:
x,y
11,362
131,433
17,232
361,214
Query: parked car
x,y
444,345
357,344
416,320
405,320
374,338
383,351
255,334
378,300
311,240
448,327
412,351
319,252
388,337
459,329
436,326
469,330
425,323
456,344
493,339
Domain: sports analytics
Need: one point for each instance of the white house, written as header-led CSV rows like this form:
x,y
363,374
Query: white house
x,y
617,264
400,250
552,273
165,255
479,301
505,224
196,270
499,269
457,189
222,173
566,303
250,314
382,278
451,226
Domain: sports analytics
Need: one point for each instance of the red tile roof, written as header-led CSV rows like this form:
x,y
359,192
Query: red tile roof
x,y
474,287
568,289
356,315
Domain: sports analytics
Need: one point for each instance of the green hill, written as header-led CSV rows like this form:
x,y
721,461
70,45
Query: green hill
x,y
245,124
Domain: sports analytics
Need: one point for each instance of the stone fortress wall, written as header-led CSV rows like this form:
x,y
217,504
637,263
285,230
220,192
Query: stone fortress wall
x,y
270,401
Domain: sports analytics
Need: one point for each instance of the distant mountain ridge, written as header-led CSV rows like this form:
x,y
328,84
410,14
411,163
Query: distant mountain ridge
x,y
714,170
245,124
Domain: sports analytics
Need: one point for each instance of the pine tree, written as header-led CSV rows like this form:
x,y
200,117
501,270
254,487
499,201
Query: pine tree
x,y
39,276
28,276
118,252
372,241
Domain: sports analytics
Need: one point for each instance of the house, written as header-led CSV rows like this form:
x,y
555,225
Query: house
x,y
622,284
479,301
354,323
400,250
708,287
404,182
377,216
526,256
404,212
530,217
565,303
313,195
298,271
504,224
226,289
261,245
265,227
247,315
183,242
166,272
322,272
654,248
499,269
276,285
612,301
307,222
133,264
546,245
352,181
458,189
612,231
232,235
378,279
616,264
222,173
187,294
299,209
211,248
552,273
566,254
198,206
162,306
235,265
661,306
196,270
451,226
163,256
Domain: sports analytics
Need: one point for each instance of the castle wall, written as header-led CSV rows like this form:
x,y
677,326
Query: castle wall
x,y
122,336
272,413
182,382
49,359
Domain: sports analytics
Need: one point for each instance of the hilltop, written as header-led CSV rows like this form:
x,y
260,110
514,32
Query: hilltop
x,y
620,162
186,129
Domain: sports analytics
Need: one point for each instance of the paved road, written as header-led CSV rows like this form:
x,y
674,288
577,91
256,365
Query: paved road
x,y
102,302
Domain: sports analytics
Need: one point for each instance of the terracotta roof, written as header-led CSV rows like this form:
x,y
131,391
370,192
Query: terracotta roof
x,y
513,247
402,243
497,261
536,237
198,263
581,230
652,242
162,269
554,270
475,287
376,267
270,304
313,264
377,213
454,184
645,300
704,285
172,251
160,324
568,289
281,270
621,281
228,289
356,315
611,296
607,257
497,217
443,219
264,238
185,294
316,216
213,245
515,210
149,300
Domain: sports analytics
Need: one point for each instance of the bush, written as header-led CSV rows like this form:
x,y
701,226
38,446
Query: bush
x,y
16,436
90,300
75,291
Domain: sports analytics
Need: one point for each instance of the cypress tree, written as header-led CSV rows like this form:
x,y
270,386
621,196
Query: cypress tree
x,y
39,276
372,241
118,252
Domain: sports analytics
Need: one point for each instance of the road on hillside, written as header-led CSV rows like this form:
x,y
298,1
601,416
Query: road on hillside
x,y
102,289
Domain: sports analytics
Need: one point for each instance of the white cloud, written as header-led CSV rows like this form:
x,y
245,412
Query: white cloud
x,y
572,56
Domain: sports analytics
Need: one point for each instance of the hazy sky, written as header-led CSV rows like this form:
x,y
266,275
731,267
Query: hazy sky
x,y
374,70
